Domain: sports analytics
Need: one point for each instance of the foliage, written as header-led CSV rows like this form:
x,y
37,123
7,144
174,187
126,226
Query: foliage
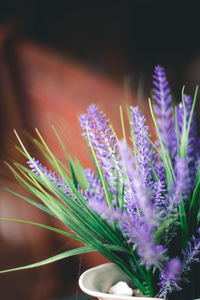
x,y
140,209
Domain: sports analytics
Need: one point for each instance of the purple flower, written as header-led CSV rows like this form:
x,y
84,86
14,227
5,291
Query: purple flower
x,y
135,191
38,168
141,235
192,253
129,199
170,277
158,193
127,160
159,189
182,176
110,214
144,152
150,253
163,108
104,143
95,189
180,187
179,190
141,217
144,203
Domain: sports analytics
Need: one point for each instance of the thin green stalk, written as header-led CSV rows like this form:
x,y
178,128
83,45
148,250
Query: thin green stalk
x,y
43,226
177,132
184,225
150,283
192,109
57,257
68,158
122,123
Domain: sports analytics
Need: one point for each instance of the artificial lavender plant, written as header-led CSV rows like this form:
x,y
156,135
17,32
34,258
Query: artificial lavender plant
x,y
139,206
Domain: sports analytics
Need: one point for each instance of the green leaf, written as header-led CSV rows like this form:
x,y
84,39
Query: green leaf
x,y
177,133
68,158
61,172
81,175
122,123
84,217
52,259
48,157
42,226
33,202
184,139
186,127
74,212
184,225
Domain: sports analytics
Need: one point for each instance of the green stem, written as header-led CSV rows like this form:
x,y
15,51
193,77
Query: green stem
x,y
150,283
184,225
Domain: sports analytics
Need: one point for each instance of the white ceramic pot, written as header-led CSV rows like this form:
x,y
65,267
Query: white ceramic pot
x,y
97,281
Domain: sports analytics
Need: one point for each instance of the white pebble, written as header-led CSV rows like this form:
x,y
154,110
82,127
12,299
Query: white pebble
x,y
121,288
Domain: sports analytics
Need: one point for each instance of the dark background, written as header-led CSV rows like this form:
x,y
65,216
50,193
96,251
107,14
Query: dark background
x,y
116,39
142,33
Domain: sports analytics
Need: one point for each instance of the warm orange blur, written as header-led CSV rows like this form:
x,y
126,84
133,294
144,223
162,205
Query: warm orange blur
x,y
38,88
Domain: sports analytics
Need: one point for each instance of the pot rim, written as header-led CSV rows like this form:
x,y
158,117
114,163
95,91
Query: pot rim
x,y
101,294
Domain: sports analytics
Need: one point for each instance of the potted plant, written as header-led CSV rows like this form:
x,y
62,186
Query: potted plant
x,y
140,207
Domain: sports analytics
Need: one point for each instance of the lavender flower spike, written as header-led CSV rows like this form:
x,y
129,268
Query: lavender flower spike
x,y
95,191
104,143
141,195
163,108
144,151
150,253
180,188
191,254
141,235
37,167
170,277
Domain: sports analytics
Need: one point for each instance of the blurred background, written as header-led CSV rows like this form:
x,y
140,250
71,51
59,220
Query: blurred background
x,y
57,57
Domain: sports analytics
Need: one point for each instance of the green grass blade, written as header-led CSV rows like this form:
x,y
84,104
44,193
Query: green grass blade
x,y
34,203
39,192
177,133
42,226
48,157
186,127
81,175
52,259
62,173
184,225
68,158
184,139
192,110
76,211
55,206
122,123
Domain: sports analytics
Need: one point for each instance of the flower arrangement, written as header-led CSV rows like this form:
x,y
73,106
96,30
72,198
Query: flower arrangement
x,y
141,207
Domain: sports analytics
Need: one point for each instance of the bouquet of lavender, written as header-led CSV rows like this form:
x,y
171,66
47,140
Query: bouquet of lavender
x,y
141,208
